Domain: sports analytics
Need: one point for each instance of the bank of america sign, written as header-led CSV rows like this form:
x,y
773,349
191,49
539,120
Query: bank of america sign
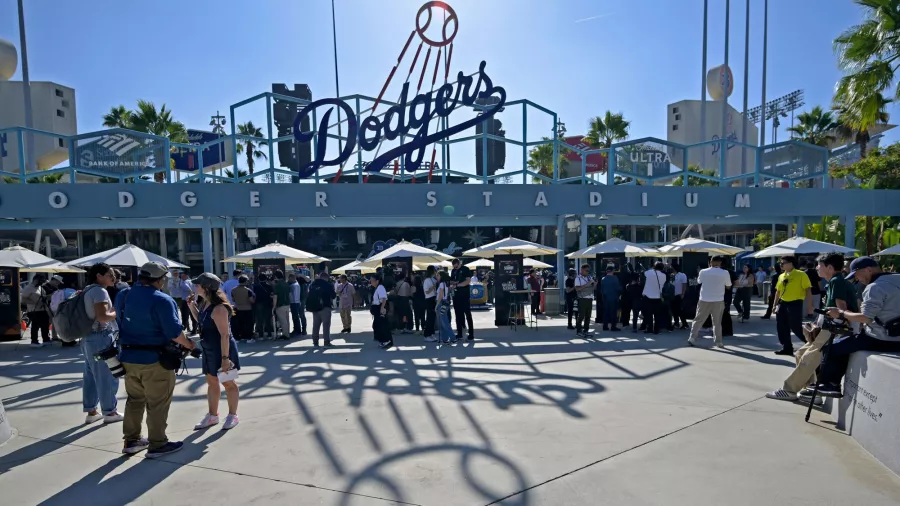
x,y
121,153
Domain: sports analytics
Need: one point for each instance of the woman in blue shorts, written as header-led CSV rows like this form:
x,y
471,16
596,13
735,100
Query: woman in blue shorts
x,y
220,353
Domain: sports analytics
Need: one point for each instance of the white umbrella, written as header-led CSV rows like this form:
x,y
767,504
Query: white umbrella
x,y
441,265
530,262
511,246
694,245
420,255
353,266
615,246
894,250
801,246
481,262
31,261
277,251
127,255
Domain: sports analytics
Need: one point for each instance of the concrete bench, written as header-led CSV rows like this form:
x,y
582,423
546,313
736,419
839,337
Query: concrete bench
x,y
870,408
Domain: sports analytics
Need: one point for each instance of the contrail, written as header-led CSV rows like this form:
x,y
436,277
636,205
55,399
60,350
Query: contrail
x,y
582,20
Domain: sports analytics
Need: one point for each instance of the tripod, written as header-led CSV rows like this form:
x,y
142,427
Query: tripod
x,y
837,328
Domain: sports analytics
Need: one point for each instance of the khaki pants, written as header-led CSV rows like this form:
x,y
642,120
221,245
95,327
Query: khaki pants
x,y
714,310
346,318
808,358
283,313
148,386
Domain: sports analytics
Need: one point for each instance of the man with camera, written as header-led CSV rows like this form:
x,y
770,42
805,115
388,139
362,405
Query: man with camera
x,y
153,344
840,294
879,315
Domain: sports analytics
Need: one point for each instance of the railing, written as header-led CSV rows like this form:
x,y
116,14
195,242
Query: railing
x,y
125,156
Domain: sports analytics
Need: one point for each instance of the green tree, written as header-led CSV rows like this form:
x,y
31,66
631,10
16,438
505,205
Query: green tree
x,y
694,180
46,179
762,240
606,129
250,146
868,52
815,127
540,160
858,111
148,119
240,173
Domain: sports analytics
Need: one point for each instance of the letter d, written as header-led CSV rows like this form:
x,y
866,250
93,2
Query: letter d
x,y
126,199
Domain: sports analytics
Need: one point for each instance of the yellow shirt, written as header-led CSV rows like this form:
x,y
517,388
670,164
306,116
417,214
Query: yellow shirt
x,y
792,286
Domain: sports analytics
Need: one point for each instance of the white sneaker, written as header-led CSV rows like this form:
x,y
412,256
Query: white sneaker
x,y
89,419
805,400
782,395
431,339
113,417
231,422
208,421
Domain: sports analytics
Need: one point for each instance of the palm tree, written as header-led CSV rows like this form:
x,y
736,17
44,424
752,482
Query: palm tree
x,y
148,119
867,52
240,173
858,112
118,117
540,160
815,127
249,146
603,131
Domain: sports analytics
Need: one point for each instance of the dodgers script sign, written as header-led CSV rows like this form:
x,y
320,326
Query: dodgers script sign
x,y
407,115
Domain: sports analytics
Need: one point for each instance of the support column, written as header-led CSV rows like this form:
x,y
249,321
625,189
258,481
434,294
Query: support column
x,y
609,232
206,241
181,246
850,231
163,246
633,233
47,248
216,254
97,239
229,243
561,254
801,226
127,236
79,247
583,234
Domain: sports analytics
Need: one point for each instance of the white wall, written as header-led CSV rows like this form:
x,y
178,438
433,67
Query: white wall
x,y
46,106
686,130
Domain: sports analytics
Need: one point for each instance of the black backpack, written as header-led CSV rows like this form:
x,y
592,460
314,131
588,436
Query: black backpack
x,y
315,298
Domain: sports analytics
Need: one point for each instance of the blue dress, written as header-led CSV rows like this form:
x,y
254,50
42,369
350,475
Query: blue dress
x,y
211,342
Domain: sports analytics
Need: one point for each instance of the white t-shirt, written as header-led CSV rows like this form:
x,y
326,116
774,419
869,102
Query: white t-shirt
x,y
443,292
679,282
379,296
430,289
653,286
581,282
713,282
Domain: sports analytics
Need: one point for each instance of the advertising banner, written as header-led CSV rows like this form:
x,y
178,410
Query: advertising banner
x,y
10,311
595,163
121,153
267,266
508,272
394,269
213,157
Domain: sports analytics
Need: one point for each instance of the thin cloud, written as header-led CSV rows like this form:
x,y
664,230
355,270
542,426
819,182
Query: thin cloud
x,y
599,16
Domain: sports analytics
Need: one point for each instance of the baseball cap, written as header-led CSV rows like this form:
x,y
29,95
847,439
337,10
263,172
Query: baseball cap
x,y
57,277
208,280
154,270
861,263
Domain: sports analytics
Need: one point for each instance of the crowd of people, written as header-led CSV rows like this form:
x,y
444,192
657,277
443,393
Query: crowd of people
x,y
140,334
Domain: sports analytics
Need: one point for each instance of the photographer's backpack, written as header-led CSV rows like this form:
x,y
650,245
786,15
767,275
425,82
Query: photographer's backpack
x,y
71,320
315,297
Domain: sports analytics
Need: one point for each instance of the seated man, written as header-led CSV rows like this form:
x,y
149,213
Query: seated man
x,y
840,294
880,310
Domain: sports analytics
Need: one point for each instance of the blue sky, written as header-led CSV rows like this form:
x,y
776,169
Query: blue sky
x,y
576,57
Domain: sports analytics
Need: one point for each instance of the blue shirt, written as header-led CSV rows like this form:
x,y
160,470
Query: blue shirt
x,y
150,318
610,286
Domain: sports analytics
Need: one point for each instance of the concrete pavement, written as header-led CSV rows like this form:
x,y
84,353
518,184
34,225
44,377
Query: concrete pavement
x,y
515,418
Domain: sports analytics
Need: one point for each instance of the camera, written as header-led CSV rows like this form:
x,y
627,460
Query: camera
x,y
111,357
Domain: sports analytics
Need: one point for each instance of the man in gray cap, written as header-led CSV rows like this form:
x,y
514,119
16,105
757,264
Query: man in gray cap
x,y
148,320
880,316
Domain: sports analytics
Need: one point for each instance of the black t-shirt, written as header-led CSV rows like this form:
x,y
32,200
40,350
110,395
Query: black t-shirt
x,y
263,293
814,280
570,283
458,276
